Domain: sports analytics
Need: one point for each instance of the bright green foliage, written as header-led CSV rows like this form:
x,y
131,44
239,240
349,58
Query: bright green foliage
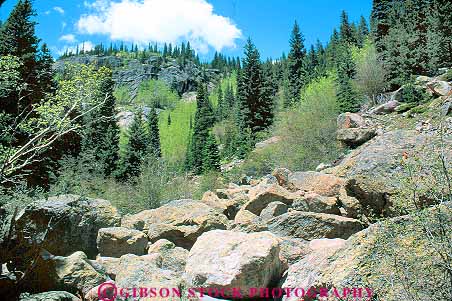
x,y
156,93
221,106
153,132
211,155
297,71
136,149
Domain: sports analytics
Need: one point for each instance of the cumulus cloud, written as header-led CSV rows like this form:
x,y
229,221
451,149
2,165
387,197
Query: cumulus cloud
x,y
59,9
143,21
70,38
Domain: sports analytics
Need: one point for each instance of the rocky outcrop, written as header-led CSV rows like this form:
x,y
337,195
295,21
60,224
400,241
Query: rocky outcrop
x,y
225,260
272,210
355,137
309,225
118,241
69,223
132,72
312,202
181,222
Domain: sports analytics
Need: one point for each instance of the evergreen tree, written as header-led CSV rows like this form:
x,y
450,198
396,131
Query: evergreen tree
x,y
380,21
296,60
439,38
348,100
256,107
204,120
154,136
168,122
346,31
17,38
136,149
229,101
211,154
45,73
101,131
363,31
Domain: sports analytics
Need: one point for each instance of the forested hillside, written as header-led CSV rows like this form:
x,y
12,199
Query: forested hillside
x,y
144,125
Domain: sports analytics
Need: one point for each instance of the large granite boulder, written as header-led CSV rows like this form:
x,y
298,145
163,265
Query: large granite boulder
x,y
69,223
355,137
173,258
181,222
74,273
375,171
262,195
320,183
118,241
350,121
225,260
309,225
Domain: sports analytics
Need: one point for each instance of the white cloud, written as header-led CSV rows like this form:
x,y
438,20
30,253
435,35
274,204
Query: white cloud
x,y
59,9
143,21
70,38
86,46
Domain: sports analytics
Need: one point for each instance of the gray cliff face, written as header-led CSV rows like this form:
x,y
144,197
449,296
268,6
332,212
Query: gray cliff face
x,y
132,72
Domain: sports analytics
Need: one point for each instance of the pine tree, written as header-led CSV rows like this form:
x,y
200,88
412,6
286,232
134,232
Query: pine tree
x,y
153,134
101,131
204,120
17,38
296,60
136,149
346,31
168,121
439,38
363,31
211,154
380,21
348,100
229,102
45,73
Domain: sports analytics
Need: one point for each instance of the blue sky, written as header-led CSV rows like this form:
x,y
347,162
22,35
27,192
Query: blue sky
x,y
209,24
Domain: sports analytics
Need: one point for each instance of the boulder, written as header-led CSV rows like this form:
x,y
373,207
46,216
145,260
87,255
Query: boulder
x,y
320,183
109,264
446,108
272,210
74,222
118,241
173,258
262,195
303,273
386,251
439,88
312,202
322,166
49,296
74,273
309,225
181,222
226,207
225,260
350,121
246,221
293,249
388,107
282,176
145,271
375,171
355,137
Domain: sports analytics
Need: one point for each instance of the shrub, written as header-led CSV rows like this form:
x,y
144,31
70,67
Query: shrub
x,y
307,134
